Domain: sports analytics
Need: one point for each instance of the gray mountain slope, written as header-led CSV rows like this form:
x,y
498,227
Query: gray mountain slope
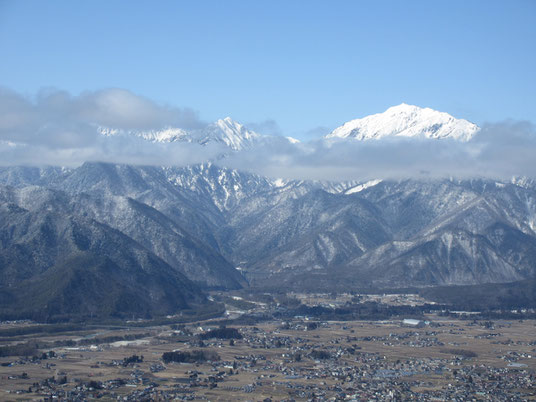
x,y
411,222
164,238
453,257
142,223
315,231
53,264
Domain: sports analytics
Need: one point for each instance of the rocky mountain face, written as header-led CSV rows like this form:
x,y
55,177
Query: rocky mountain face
x,y
399,234
204,222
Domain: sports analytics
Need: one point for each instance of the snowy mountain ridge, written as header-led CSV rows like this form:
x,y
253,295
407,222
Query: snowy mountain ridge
x,y
406,121
226,131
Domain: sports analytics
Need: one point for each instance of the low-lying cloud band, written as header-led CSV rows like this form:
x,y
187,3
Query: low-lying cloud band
x,y
57,128
500,150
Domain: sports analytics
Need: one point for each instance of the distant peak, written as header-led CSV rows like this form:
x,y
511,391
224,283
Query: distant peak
x,y
406,121
228,122
229,132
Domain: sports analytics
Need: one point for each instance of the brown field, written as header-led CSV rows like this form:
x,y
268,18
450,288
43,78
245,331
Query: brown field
x,y
362,359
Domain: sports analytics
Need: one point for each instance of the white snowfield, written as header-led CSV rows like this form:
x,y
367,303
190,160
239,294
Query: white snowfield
x,y
406,121
361,187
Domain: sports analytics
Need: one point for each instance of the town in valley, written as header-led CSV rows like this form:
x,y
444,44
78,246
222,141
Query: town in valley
x,y
260,349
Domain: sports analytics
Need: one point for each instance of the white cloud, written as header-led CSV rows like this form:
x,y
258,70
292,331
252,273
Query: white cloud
x,y
59,120
499,150
57,128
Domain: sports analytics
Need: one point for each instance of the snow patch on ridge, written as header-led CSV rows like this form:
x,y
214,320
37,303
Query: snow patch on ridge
x,y
280,182
293,140
362,187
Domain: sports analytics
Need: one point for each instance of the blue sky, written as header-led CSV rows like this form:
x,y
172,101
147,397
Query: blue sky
x,y
304,64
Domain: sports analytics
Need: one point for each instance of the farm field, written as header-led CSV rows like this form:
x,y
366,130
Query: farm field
x,y
296,359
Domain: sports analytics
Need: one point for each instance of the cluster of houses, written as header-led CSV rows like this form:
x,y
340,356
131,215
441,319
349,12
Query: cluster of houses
x,y
289,360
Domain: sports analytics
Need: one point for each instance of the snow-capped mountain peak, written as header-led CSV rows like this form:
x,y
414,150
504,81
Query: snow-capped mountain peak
x,y
228,131
406,121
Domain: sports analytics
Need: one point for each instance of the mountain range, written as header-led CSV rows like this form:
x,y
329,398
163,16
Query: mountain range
x,y
397,121
150,240
226,132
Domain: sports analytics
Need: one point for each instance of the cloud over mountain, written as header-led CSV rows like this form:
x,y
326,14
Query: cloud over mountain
x,y
500,150
56,128
60,119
